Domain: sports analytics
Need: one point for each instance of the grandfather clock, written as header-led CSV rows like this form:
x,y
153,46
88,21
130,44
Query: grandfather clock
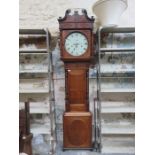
x,y
76,45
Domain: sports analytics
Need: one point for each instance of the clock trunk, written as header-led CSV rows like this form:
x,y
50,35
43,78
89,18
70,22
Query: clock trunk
x,y
77,87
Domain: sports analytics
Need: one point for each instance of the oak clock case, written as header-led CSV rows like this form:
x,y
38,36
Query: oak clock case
x,y
76,48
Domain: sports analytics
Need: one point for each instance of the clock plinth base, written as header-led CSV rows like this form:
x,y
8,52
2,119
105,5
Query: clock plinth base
x,y
77,127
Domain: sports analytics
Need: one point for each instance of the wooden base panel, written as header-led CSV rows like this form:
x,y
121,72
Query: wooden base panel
x,y
77,128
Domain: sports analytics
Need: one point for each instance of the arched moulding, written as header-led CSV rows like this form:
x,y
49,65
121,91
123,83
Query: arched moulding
x,y
76,19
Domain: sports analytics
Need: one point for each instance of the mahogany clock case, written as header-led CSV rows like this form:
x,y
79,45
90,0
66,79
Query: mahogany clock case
x,y
77,120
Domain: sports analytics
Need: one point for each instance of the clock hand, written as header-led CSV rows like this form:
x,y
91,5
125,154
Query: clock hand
x,y
76,44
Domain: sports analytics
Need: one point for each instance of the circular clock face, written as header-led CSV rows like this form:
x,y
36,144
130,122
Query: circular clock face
x,y
76,44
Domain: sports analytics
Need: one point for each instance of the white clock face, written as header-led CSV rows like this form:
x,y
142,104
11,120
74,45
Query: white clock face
x,y
76,44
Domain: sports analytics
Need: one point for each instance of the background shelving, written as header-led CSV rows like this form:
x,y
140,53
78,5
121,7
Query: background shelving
x,y
115,90
36,86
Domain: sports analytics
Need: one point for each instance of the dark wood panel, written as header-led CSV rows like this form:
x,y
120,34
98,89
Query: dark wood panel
x,y
25,137
77,107
77,86
77,130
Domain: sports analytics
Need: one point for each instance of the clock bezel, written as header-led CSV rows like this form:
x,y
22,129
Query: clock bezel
x,y
86,56
71,34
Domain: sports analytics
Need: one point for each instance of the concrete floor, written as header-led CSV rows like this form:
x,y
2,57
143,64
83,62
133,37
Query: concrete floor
x,y
84,153
59,151
77,153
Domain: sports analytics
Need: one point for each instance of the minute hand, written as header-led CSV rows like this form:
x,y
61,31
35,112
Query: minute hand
x,y
76,44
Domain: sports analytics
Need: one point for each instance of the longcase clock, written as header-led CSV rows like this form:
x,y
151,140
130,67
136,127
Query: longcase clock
x,y
76,45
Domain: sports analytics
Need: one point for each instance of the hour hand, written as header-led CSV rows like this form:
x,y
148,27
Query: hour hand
x,y
76,44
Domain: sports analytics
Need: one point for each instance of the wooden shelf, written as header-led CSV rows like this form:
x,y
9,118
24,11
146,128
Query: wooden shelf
x,y
28,36
118,90
34,91
119,129
34,53
37,107
35,85
118,110
117,49
117,107
115,53
117,123
41,110
40,129
40,125
117,84
121,144
29,51
32,31
118,30
117,71
34,71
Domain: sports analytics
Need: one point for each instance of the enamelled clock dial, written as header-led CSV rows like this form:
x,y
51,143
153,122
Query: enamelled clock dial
x,y
76,44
